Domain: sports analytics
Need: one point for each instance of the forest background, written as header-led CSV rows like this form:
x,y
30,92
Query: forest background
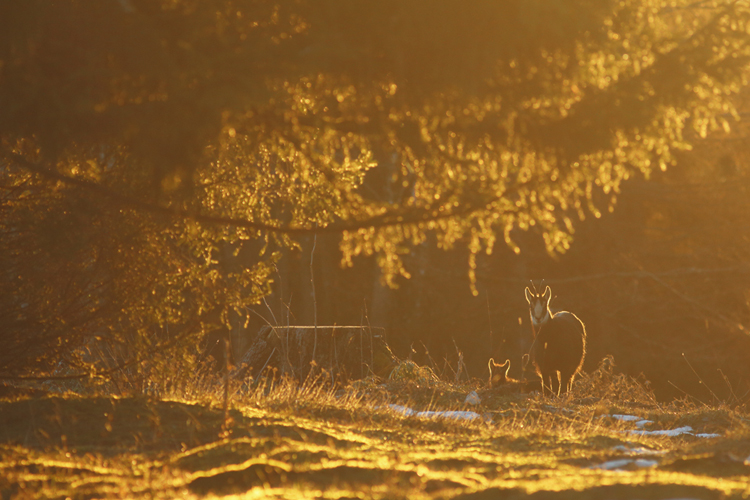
x,y
173,172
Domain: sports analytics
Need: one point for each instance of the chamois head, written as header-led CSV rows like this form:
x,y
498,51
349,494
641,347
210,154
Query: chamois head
x,y
539,304
498,373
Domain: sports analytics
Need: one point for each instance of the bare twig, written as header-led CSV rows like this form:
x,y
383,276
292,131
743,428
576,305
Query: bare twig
x,y
226,426
267,361
461,366
700,379
729,386
285,346
315,302
372,346
161,346
275,321
489,317
735,325
686,393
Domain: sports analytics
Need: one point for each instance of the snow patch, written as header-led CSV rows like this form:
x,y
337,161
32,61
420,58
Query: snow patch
x,y
457,415
625,418
626,462
472,398
636,451
641,422
671,432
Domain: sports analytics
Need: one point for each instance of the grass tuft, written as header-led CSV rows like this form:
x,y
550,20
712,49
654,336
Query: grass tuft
x,y
308,439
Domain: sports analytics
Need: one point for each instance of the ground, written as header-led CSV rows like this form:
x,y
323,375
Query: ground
x,y
313,440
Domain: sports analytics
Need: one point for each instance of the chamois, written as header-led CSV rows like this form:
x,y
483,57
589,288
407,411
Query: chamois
x,y
559,345
498,373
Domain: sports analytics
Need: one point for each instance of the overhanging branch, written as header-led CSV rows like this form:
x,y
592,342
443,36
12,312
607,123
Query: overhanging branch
x,y
394,218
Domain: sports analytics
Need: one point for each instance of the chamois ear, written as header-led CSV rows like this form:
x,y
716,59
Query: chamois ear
x,y
529,295
547,294
506,366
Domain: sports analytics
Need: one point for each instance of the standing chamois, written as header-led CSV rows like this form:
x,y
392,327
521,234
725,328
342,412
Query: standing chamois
x,y
559,345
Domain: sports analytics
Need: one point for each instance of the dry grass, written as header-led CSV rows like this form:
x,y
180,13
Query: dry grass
x,y
292,440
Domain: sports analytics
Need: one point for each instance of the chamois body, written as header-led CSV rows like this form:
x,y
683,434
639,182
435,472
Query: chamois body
x,y
559,346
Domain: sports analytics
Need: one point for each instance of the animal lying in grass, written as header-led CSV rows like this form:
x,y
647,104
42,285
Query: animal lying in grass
x,y
499,379
559,345
498,373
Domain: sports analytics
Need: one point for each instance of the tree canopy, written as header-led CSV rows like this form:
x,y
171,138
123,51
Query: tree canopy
x,y
145,145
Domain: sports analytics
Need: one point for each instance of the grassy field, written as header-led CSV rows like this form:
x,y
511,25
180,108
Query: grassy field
x,y
291,441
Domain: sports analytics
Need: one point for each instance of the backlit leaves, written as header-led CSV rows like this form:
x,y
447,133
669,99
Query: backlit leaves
x,y
221,130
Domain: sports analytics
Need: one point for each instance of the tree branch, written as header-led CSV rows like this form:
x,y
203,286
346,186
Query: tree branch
x,y
393,218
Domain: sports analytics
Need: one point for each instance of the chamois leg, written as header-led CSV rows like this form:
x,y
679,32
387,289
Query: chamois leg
x,y
569,382
546,380
553,383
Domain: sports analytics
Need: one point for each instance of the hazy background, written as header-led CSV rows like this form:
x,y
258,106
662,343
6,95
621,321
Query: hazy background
x,y
661,284
168,166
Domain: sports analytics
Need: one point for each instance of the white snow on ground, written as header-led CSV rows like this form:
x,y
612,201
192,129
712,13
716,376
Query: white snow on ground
x,y
671,432
640,423
676,432
630,463
458,415
636,451
624,462
473,398
626,418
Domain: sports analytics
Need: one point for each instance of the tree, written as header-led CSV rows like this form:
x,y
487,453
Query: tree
x,y
161,138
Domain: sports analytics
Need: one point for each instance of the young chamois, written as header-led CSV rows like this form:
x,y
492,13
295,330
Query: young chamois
x,y
559,345
498,373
